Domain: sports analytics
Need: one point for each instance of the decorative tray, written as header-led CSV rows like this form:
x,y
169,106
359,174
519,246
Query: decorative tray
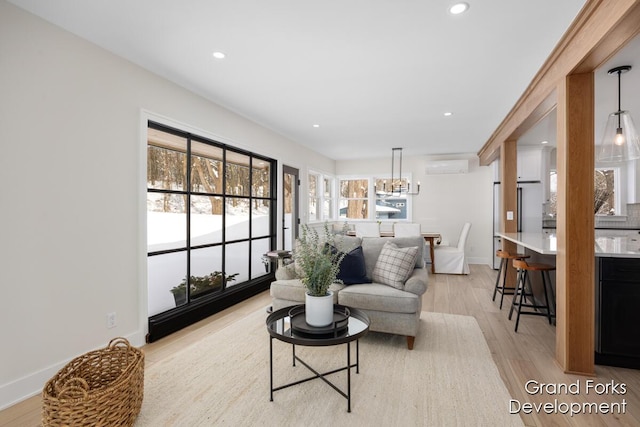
x,y
338,327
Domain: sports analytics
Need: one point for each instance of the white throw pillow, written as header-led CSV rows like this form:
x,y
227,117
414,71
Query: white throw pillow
x,y
394,265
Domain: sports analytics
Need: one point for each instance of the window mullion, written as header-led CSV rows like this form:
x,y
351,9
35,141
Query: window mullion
x,y
188,219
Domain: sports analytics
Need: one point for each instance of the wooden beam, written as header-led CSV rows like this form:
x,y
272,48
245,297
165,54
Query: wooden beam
x,y
621,34
538,113
508,185
509,198
575,277
601,28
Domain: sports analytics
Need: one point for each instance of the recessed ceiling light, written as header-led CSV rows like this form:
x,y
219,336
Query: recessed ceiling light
x,y
219,55
544,142
448,113
316,126
458,8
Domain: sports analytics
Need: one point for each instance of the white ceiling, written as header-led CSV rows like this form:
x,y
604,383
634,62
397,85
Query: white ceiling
x,y
374,74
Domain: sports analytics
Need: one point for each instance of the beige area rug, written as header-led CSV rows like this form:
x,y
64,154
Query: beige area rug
x,y
449,379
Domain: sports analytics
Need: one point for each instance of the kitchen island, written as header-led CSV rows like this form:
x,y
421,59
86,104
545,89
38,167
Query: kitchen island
x,y
617,287
608,243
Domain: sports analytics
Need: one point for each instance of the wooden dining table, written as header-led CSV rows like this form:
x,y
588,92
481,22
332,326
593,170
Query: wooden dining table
x,y
429,236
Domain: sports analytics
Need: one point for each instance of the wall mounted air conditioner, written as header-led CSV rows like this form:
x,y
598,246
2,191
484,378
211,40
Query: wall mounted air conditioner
x,y
436,167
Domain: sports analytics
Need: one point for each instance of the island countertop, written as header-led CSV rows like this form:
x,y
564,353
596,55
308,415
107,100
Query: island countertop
x,y
608,243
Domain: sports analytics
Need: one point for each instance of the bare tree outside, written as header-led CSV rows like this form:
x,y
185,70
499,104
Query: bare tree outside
x,y
604,201
166,170
604,194
354,195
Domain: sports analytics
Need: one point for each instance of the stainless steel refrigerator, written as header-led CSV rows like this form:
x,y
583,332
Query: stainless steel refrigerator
x,y
530,207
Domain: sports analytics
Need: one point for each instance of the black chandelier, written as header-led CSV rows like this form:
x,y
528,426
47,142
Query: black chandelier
x,y
397,186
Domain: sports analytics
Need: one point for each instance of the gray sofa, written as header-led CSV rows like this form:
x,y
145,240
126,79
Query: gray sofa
x,y
391,310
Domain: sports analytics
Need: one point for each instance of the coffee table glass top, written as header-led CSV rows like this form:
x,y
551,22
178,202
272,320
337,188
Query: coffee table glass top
x,y
279,327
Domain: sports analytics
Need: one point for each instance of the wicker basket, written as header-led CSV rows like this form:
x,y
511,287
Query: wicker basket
x,y
100,388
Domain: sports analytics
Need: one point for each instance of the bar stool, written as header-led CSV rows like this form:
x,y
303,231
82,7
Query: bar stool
x,y
522,293
503,288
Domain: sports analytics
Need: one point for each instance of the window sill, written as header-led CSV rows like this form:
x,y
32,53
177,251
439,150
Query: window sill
x,y
611,218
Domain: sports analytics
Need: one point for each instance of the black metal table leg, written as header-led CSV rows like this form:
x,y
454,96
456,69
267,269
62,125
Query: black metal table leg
x,y
271,368
348,377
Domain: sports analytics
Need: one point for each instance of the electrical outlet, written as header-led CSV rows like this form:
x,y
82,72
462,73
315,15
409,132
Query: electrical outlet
x,y
111,320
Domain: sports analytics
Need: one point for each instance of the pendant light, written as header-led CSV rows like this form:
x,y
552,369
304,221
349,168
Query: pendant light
x,y
620,141
397,188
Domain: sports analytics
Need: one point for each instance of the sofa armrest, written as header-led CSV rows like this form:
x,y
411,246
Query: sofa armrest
x,y
286,272
417,282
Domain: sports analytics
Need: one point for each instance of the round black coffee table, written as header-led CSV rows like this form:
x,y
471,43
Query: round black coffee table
x,y
288,325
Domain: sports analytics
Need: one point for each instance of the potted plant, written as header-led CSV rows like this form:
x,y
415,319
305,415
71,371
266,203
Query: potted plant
x,y
318,263
200,285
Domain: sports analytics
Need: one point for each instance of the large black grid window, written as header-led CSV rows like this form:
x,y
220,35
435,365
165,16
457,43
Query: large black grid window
x,y
210,218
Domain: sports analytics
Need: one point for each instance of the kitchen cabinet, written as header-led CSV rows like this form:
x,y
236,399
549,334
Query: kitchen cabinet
x,y
618,312
529,164
533,164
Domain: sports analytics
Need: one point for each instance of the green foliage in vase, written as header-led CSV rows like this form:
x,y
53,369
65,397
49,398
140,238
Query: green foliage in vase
x,y
199,284
317,260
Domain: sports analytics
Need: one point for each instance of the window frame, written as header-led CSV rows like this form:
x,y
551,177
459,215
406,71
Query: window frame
x,y
407,199
620,200
320,198
371,200
253,162
339,197
617,192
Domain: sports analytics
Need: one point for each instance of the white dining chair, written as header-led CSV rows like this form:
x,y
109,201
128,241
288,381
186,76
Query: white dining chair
x,y
367,229
452,259
406,229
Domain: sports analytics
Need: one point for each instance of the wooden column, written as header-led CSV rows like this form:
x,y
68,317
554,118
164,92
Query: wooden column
x,y
575,282
508,198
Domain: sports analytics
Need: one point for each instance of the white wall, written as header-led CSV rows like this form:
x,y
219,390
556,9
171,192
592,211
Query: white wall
x,y
72,222
446,201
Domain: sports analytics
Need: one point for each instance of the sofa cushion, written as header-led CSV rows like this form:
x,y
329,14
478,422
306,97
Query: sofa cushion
x,y
347,243
293,290
375,296
372,246
352,268
394,265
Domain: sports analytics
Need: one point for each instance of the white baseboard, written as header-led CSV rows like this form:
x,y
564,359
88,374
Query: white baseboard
x,y
470,260
480,260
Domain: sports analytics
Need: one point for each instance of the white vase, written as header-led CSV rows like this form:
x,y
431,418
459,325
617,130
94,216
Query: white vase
x,y
319,310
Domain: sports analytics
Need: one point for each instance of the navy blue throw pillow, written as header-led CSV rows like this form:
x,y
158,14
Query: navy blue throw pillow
x,y
352,268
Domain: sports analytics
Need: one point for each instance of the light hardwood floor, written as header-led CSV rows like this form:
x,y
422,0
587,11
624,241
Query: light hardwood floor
x,y
527,355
